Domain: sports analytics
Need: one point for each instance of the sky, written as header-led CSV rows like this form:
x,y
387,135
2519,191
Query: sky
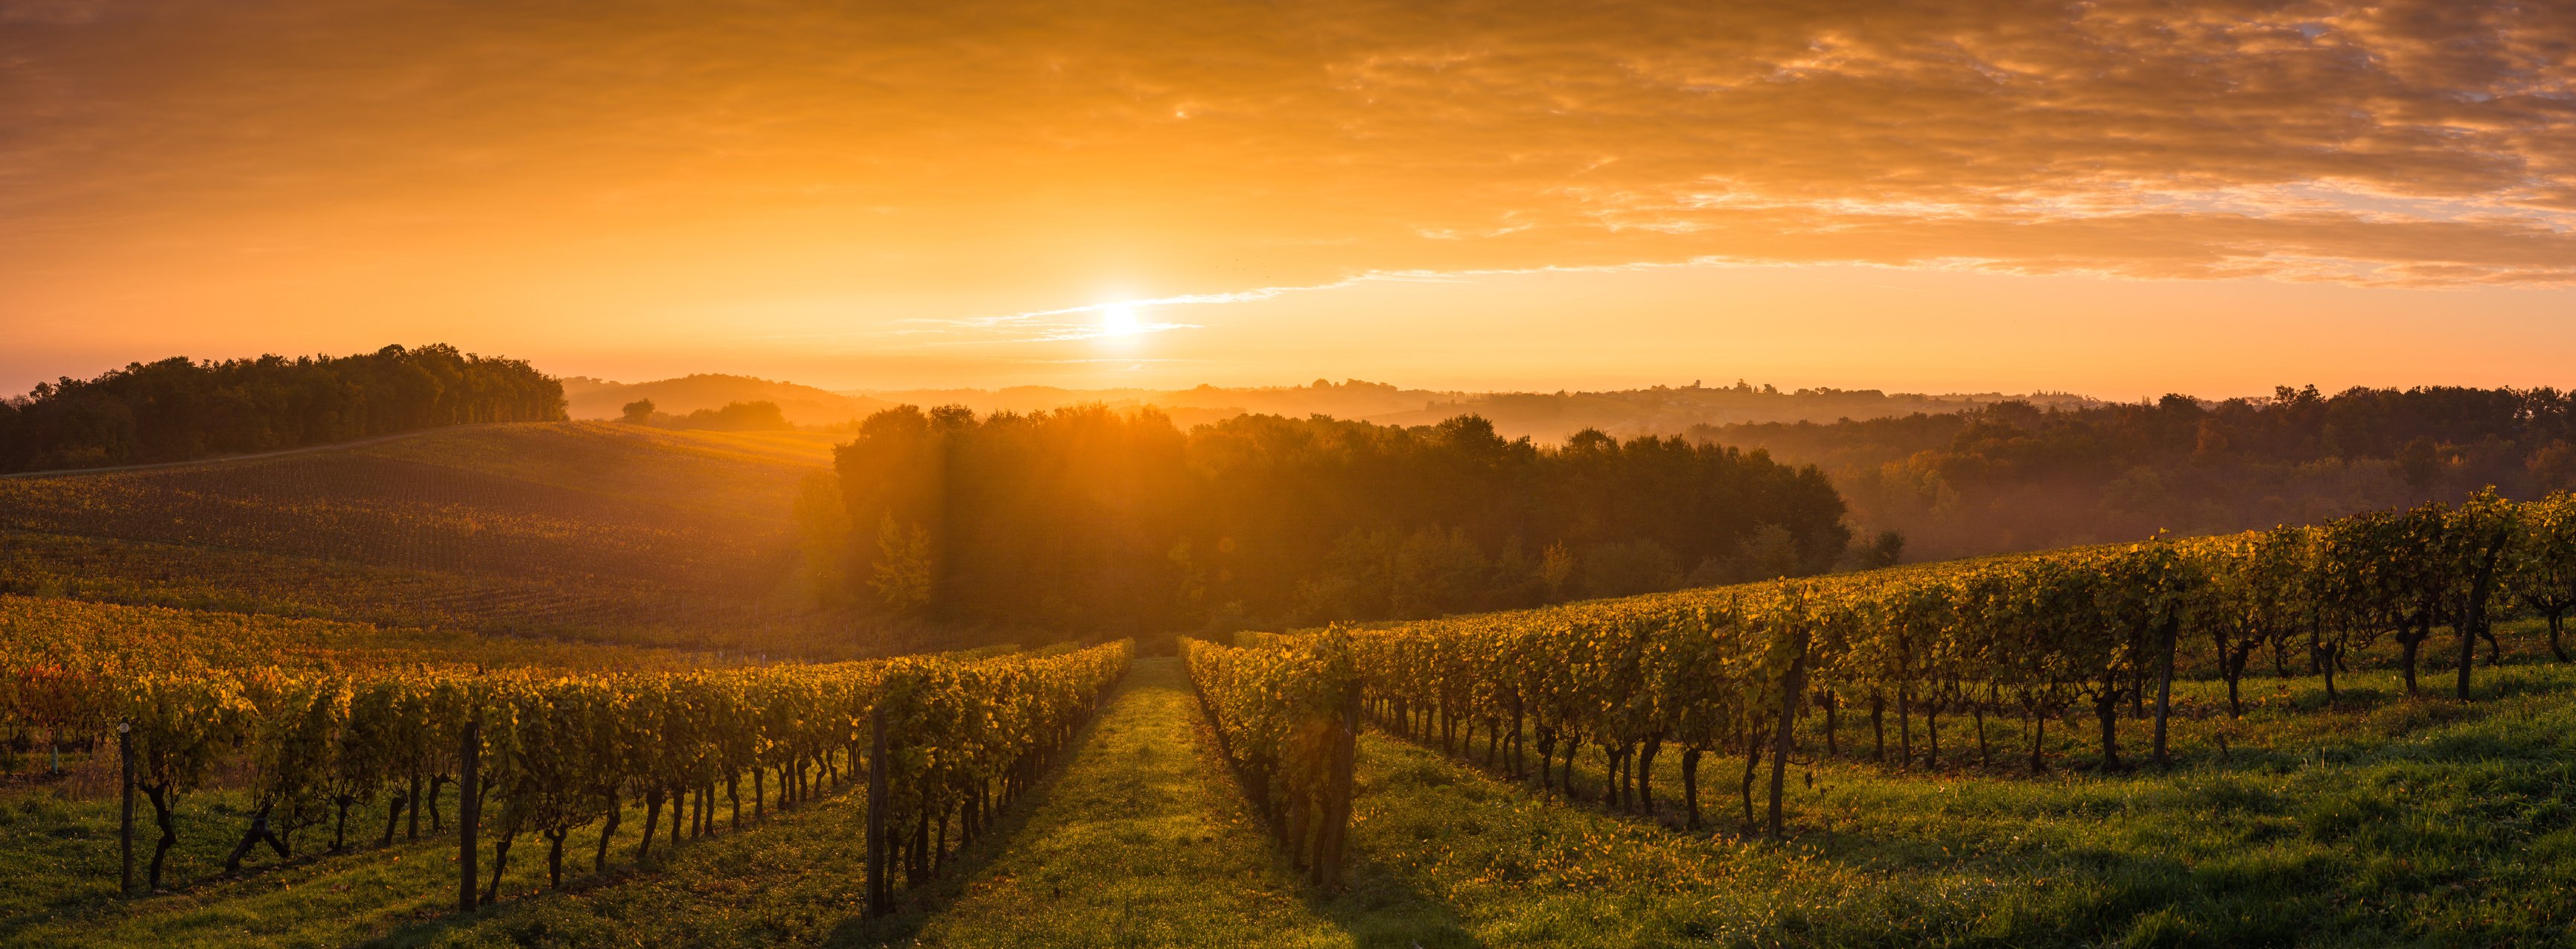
x,y
2114,198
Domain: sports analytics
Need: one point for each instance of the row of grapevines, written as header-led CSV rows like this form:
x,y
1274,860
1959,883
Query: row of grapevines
x,y
2036,635
558,751
1284,712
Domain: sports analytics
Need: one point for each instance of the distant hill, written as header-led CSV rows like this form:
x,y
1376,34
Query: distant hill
x,y
2010,477
588,398
1546,417
582,530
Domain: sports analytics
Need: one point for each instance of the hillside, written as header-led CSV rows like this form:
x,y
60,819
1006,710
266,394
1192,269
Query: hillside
x,y
153,634
579,530
1545,417
2011,476
588,398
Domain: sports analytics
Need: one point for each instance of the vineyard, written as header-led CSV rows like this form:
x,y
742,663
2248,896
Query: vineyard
x,y
571,530
2030,639
342,731
2361,724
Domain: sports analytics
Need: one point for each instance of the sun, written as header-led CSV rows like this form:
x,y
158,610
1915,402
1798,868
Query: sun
x,y
1120,321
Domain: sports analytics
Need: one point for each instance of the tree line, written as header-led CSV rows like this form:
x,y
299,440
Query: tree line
x,y
1090,520
178,409
2016,476
754,416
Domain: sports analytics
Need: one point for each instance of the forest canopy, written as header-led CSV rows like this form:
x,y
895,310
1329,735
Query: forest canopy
x,y
177,409
2015,476
1090,520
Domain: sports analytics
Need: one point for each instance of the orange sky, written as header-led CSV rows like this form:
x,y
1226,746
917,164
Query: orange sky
x,y
2113,198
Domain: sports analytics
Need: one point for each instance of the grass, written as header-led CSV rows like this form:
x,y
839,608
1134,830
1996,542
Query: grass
x,y
1139,840
2385,821
2388,821
1145,841
59,856
794,881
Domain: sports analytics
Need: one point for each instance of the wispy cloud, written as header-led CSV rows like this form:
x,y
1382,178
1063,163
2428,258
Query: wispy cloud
x,y
1290,148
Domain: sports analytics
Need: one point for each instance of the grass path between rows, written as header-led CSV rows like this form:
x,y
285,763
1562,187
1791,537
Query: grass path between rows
x,y
1143,841
1141,838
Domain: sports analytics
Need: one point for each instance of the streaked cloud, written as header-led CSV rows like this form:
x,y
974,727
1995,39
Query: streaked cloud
x,y
943,160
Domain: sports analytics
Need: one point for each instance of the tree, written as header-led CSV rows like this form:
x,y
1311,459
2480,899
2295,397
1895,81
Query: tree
x,y
757,416
178,409
1068,519
906,566
638,412
2419,462
823,526
1885,550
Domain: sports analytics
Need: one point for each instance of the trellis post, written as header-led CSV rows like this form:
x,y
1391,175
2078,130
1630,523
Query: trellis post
x,y
125,815
877,884
469,812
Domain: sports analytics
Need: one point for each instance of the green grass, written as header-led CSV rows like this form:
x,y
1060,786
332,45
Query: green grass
x,y
2389,821
1140,840
2384,821
59,857
796,880
1145,841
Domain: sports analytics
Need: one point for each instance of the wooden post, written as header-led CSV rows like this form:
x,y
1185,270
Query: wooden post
x,y
469,811
879,888
2170,631
1786,740
1332,837
125,817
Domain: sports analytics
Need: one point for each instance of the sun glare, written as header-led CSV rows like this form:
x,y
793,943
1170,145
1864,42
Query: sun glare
x,y
1120,321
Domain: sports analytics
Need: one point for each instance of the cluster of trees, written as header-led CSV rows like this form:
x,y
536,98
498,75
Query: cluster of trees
x,y
178,409
755,416
2036,637
2016,476
1086,519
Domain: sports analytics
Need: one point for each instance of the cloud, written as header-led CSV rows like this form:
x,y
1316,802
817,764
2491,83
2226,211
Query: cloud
x,y
2408,143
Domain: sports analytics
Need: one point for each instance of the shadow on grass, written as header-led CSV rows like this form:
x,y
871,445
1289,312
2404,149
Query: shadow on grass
x,y
796,879
582,880
194,876
1380,908
1377,905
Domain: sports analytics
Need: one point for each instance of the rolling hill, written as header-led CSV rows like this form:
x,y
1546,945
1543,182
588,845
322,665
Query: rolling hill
x,y
581,530
587,398
1543,416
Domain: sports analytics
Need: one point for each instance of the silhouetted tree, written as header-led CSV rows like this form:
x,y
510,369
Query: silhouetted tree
x,y
1089,520
177,409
